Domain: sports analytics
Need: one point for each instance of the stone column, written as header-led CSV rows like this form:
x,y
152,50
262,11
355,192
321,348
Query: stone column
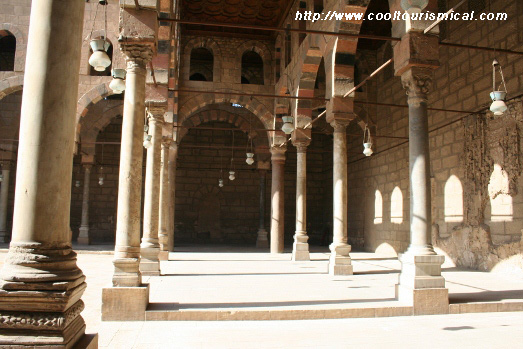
x,y
41,284
127,250
262,241
340,261
163,225
277,199
4,193
83,237
150,247
173,154
300,247
420,280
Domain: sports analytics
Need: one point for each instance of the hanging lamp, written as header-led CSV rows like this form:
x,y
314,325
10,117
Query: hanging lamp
x,y
498,106
250,154
101,170
99,59
367,142
288,124
117,83
414,6
232,173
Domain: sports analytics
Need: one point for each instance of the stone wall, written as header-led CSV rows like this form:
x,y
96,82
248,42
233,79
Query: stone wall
x,y
475,159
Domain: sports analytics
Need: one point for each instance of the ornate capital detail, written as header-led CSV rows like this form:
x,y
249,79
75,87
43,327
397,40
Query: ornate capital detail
x,y
278,153
155,113
340,125
166,142
137,57
301,147
40,321
417,83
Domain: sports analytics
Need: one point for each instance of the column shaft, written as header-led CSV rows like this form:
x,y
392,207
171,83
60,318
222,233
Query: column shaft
x,y
150,246
83,237
173,154
41,284
340,261
163,237
262,240
300,248
127,249
4,194
277,199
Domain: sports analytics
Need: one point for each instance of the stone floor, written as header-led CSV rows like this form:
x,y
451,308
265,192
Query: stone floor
x,y
237,283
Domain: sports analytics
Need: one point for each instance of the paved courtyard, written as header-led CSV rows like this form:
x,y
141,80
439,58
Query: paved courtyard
x,y
205,283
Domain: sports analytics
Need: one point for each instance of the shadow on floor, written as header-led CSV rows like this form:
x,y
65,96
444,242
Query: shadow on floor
x,y
485,296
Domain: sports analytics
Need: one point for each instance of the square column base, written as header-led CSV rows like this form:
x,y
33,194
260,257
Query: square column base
x,y
262,241
83,236
125,303
339,261
300,252
421,284
163,256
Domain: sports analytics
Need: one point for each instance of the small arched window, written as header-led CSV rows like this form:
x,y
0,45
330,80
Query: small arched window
x,y
378,208
396,206
201,65
500,200
252,68
453,200
7,51
107,71
318,6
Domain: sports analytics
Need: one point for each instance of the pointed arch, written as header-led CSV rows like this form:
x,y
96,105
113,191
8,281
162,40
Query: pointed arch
x,y
396,206
453,196
378,207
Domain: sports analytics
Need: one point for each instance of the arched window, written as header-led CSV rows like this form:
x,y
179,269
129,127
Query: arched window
x,y
7,51
453,200
378,207
252,68
318,6
500,199
201,65
396,206
107,71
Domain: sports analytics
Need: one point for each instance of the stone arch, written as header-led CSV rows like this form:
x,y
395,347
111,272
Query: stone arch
x,y
91,134
11,84
264,53
21,44
307,79
209,44
255,106
205,190
90,98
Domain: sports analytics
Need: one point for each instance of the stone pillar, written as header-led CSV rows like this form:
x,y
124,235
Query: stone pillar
x,y
262,240
150,247
340,261
277,199
4,193
300,247
40,283
83,237
163,225
173,154
420,280
127,250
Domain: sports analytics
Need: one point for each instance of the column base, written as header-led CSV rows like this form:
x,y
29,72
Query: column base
x,y
300,247
262,241
125,303
149,263
83,236
127,272
340,261
421,284
163,256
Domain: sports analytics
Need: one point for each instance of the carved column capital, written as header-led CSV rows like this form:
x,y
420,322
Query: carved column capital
x,y
340,125
137,56
301,146
155,113
417,83
166,143
278,153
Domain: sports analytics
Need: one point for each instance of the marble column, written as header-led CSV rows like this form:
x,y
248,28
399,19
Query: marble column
x,y
4,193
277,198
262,240
421,266
300,247
340,261
40,283
83,237
173,155
163,225
127,250
150,246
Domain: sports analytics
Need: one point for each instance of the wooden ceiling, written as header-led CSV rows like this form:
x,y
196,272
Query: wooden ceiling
x,y
269,13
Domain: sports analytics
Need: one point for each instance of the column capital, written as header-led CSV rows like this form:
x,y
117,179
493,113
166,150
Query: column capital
x,y
137,56
155,113
339,125
417,82
278,153
301,146
87,165
166,142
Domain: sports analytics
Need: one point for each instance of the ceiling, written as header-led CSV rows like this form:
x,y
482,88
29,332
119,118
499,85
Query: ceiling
x,y
268,13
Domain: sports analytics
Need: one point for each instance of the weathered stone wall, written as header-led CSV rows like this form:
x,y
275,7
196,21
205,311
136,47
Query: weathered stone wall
x,y
475,160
